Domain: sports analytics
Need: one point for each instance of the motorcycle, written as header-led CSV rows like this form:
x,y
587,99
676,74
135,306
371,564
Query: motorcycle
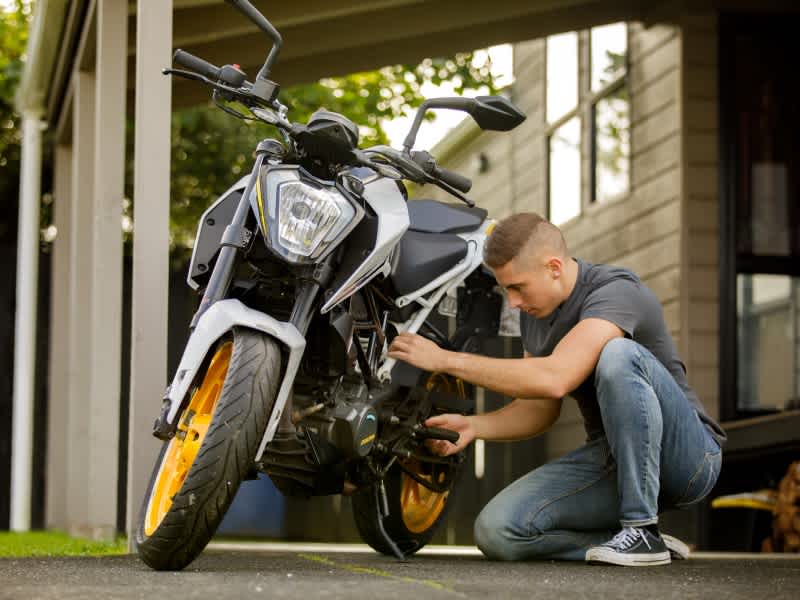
x,y
308,267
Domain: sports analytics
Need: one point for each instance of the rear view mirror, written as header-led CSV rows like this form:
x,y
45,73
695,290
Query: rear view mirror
x,y
494,113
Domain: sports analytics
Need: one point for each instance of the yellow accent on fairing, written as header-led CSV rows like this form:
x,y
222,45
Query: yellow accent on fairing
x,y
260,200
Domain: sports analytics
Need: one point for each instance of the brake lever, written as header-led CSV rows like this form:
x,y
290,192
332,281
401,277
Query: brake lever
x,y
450,190
214,84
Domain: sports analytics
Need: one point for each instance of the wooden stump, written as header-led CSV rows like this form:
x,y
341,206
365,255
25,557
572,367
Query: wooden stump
x,y
786,522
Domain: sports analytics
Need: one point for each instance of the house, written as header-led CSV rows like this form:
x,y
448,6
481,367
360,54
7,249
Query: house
x,y
659,135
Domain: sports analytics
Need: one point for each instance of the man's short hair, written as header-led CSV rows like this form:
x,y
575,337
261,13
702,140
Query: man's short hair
x,y
522,234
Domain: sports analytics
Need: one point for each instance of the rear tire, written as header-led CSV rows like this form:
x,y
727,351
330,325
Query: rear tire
x,y
409,530
415,512
191,489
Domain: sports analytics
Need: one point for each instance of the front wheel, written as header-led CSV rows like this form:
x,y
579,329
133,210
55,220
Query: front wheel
x,y
199,471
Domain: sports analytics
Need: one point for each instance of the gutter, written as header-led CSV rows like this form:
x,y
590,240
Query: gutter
x,y
44,42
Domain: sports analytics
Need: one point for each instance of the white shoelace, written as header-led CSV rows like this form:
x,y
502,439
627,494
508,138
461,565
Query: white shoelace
x,y
627,538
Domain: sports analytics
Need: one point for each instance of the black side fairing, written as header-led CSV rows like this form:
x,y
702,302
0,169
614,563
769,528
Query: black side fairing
x,y
422,257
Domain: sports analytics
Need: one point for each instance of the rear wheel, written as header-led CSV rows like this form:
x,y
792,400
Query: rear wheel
x,y
415,510
199,471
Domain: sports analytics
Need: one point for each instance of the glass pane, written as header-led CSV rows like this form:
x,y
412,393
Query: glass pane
x,y
609,48
612,145
565,172
767,151
562,74
768,309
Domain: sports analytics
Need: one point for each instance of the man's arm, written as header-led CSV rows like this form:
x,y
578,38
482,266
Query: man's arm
x,y
520,420
550,377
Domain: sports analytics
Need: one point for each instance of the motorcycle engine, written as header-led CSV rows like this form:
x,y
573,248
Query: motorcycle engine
x,y
352,429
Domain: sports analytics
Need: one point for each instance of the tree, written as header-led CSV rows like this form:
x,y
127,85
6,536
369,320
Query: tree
x,y
13,39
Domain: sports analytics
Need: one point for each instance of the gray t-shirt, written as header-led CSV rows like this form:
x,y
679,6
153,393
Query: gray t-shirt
x,y
616,295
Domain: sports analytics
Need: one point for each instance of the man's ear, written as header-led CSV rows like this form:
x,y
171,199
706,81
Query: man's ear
x,y
555,266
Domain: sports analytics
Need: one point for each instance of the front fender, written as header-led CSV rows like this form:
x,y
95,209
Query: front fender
x,y
221,318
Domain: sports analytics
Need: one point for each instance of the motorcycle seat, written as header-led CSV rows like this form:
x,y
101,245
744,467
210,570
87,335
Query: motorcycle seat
x,y
432,216
421,257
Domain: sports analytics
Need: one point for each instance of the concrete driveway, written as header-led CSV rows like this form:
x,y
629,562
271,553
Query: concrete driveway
x,y
337,571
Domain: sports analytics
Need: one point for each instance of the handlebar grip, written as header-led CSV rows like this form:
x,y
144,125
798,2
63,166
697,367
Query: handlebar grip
x,y
437,433
196,64
453,179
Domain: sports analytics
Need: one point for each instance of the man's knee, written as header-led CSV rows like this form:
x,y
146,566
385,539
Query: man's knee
x,y
496,540
490,536
616,360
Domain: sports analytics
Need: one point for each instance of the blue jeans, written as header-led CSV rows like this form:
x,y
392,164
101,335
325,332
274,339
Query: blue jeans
x,y
655,454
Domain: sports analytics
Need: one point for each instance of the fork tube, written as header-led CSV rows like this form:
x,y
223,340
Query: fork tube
x,y
223,269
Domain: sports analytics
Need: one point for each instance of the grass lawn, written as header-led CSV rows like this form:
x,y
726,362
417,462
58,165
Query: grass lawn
x,y
55,543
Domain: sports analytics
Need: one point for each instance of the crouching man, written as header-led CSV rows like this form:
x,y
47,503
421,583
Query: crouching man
x,y
597,333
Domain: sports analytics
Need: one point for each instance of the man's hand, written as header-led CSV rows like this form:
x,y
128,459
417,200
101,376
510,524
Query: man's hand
x,y
418,351
458,423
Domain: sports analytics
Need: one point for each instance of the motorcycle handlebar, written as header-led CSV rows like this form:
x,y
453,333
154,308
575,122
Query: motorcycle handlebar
x,y
451,178
196,64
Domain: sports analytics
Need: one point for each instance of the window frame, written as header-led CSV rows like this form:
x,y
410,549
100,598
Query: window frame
x,y
731,263
585,111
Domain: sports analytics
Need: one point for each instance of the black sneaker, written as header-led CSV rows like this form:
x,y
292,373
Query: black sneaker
x,y
631,547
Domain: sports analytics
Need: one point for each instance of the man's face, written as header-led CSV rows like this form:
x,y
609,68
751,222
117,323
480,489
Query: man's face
x,y
532,285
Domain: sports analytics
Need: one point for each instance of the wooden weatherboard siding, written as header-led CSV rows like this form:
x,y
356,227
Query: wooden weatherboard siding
x,y
700,224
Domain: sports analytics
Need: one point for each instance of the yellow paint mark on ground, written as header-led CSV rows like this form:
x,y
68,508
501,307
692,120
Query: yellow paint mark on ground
x,y
436,585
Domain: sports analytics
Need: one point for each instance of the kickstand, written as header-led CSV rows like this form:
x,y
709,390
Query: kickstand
x,y
382,506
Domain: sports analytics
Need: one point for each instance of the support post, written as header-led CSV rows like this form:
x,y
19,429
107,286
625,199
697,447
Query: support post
x,y
25,321
150,247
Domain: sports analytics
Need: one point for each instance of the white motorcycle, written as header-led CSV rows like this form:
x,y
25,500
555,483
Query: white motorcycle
x,y
307,268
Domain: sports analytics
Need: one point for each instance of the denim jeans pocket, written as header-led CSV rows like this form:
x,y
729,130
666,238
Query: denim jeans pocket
x,y
702,481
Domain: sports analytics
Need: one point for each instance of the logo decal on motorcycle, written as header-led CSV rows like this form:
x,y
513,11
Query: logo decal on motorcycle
x,y
367,439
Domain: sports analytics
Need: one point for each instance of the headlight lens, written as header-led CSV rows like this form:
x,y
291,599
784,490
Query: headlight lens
x,y
309,218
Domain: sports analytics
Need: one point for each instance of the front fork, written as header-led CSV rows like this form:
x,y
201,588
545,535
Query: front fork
x,y
310,281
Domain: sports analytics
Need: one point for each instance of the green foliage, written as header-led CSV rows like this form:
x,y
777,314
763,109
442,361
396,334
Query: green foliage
x,y
13,39
55,543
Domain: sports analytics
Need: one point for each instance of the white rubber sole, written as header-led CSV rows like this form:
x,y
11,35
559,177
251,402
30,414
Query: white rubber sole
x,y
677,549
607,556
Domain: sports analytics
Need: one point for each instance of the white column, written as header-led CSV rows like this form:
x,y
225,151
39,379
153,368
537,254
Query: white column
x,y
58,403
80,314
105,330
25,321
150,246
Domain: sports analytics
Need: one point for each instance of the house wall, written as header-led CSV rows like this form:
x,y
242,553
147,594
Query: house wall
x,y
700,123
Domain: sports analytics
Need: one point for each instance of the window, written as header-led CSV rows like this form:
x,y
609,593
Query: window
x,y
598,107
562,75
768,307
565,168
759,218
611,123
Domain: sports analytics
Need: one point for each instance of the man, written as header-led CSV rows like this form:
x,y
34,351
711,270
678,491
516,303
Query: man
x,y
597,333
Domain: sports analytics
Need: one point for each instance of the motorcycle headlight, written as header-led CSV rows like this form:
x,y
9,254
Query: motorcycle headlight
x,y
304,217
310,217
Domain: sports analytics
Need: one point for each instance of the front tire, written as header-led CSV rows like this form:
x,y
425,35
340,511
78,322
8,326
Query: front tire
x,y
199,471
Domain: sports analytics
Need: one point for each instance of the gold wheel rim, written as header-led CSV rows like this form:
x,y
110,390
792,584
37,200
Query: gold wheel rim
x,y
420,506
183,448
